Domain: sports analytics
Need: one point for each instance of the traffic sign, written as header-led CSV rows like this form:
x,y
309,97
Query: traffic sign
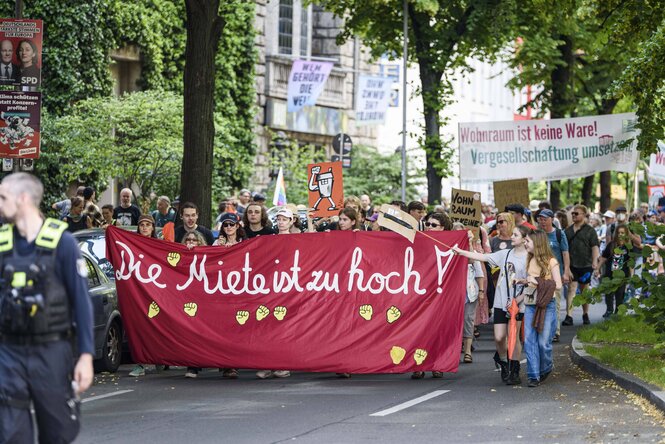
x,y
346,161
337,142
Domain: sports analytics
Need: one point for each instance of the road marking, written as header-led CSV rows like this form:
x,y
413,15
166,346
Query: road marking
x,y
407,404
108,395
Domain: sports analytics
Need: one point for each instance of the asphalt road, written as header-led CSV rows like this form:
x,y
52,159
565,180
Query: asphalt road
x,y
472,405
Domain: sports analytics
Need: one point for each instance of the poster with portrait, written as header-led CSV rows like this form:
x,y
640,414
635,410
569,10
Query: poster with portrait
x,y
20,133
326,188
21,52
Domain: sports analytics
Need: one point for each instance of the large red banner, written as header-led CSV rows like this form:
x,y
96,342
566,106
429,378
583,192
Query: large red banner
x,y
356,302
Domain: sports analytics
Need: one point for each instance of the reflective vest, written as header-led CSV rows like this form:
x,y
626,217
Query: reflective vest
x,y
33,300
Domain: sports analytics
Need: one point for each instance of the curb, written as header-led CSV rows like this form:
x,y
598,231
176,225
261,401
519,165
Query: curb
x,y
625,380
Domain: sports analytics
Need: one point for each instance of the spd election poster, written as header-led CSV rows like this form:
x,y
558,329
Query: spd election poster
x,y
21,52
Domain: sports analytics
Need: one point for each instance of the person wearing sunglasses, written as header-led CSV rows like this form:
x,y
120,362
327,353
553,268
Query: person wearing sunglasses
x,y
584,251
230,233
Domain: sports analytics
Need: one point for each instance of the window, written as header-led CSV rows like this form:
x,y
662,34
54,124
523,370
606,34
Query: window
x,y
285,33
93,279
304,32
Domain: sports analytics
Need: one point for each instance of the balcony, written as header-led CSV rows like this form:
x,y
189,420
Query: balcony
x,y
277,81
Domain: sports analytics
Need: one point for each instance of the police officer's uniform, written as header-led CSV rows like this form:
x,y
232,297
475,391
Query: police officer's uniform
x,y
40,298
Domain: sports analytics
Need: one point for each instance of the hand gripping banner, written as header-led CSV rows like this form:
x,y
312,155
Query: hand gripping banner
x,y
356,302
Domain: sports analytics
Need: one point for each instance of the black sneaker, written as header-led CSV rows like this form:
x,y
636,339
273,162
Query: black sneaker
x,y
555,338
533,383
544,376
607,314
585,319
568,321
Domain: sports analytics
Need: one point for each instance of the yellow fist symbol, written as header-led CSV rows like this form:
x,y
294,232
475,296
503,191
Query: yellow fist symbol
x,y
153,310
279,313
190,308
397,354
420,355
393,314
173,258
365,312
262,312
242,316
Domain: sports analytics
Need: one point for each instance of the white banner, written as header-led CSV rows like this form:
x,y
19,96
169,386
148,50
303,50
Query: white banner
x,y
657,163
306,82
372,99
548,149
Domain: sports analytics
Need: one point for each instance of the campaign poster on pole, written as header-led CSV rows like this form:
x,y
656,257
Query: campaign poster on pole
x,y
372,99
466,208
326,188
548,149
21,52
508,192
306,82
20,135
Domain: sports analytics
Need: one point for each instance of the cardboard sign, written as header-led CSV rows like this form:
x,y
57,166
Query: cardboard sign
x,y
326,188
396,220
508,192
465,207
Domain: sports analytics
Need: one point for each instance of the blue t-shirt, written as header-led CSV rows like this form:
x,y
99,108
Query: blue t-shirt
x,y
558,248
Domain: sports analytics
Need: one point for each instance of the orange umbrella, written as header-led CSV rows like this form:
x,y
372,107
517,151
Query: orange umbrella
x,y
512,327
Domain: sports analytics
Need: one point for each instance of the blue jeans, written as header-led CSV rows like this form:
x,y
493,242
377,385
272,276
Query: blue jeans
x,y
538,346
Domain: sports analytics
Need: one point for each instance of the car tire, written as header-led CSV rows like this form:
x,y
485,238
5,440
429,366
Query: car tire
x,y
111,350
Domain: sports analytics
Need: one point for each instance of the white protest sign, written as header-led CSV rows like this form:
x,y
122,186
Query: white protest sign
x,y
306,82
372,99
657,163
548,149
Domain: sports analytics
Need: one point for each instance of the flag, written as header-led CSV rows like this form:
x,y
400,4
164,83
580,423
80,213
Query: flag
x,y
279,198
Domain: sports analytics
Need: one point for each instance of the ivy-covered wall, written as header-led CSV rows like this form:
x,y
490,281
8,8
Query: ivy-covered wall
x,y
81,34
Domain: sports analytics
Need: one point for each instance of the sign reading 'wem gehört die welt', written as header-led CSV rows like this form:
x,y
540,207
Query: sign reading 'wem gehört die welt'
x,y
357,302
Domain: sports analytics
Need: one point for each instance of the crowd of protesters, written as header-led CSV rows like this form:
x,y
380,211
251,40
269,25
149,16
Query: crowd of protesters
x,y
525,264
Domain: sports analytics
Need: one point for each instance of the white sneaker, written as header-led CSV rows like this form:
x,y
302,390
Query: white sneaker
x,y
191,375
264,374
281,373
138,370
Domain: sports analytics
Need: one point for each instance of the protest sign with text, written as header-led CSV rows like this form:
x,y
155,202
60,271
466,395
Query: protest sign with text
x,y
508,192
20,115
466,208
353,302
306,82
372,99
21,41
326,188
656,193
548,149
657,163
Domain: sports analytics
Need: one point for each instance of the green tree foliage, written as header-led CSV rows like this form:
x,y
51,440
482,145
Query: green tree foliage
x,y
137,137
443,35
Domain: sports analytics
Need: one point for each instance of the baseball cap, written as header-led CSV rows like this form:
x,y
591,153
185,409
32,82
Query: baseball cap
x,y
285,212
228,217
546,213
621,209
258,197
373,217
609,213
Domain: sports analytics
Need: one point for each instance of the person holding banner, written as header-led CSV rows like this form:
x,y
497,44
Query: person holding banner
x,y
230,233
284,223
512,264
255,220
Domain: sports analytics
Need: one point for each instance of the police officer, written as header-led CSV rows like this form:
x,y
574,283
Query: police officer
x,y
43,295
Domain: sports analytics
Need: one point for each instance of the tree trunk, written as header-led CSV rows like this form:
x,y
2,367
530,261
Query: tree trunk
x,y
432,137
607,106
562,98
587,190
204,29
